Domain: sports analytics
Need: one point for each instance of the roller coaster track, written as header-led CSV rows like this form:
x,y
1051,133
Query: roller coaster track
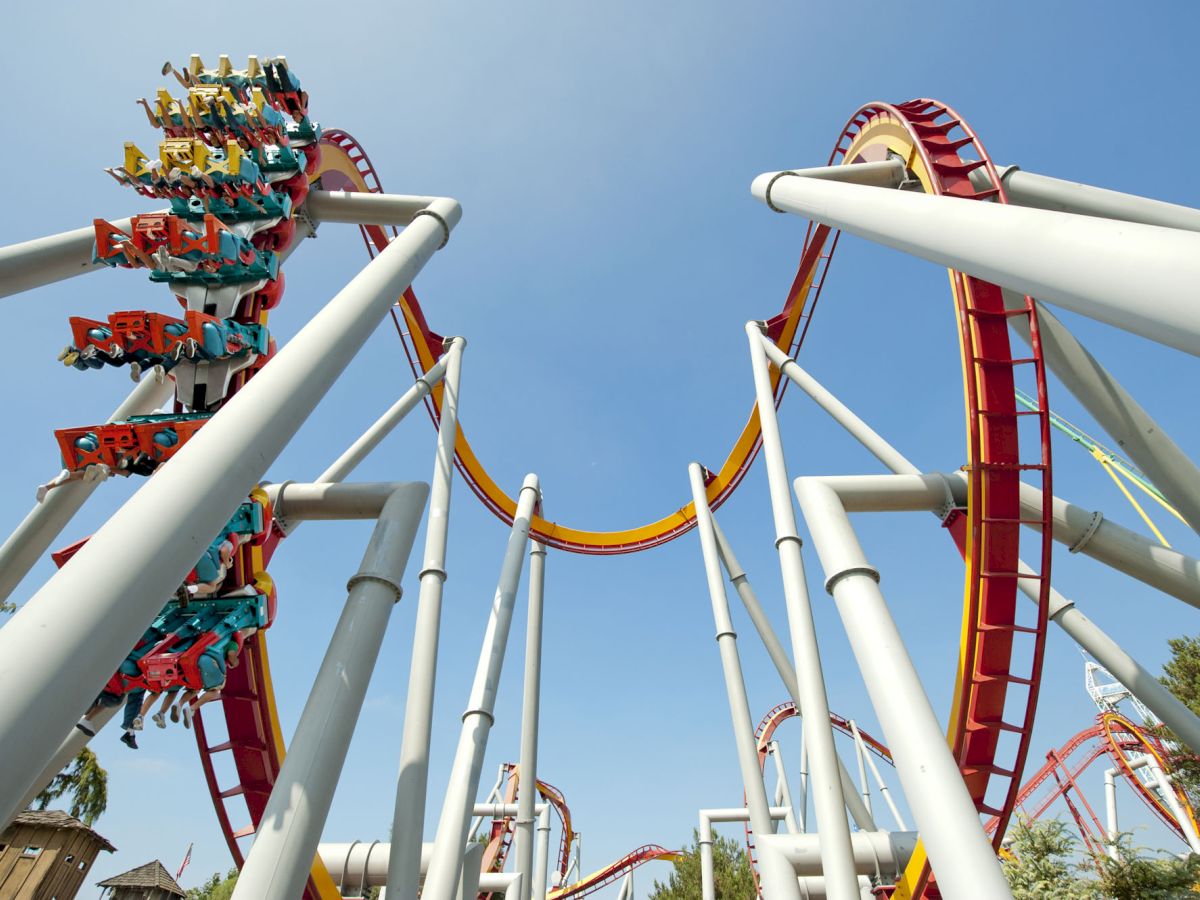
x,y
603,877
940,151
500,836
765,733
1115,737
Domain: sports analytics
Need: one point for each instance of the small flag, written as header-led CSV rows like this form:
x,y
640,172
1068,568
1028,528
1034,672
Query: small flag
x,y
187,858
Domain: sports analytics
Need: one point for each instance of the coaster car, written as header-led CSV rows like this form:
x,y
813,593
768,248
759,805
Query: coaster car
x,y
176,249
219,112
135,446
146,339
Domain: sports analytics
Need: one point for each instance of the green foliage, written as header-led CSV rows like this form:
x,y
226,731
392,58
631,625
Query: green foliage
x,y
731,873
1181,676
87,783
1132,876
216,888
1044,865
1042,862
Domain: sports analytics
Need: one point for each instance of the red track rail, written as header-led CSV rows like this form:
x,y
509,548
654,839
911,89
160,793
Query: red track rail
x,y
763,735
947,151
604,877
1110,738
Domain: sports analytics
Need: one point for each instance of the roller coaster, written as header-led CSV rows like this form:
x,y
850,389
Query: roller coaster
x,y
247,175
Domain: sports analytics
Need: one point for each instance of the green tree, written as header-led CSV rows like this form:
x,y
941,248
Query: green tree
x,y
216,888
732,877
1041,862
87,783
1134,876
84,778
1181,676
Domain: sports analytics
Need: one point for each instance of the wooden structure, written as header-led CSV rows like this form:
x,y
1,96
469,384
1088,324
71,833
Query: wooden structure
x,y
45,855
149,882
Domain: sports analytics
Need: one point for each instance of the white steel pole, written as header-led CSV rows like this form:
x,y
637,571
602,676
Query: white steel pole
x,y
708,890
55,652
541,860
804,785
341,468
358,208
945,814
1082,531
1172,801
412,783
1095,267
735,687
783,665
445,867
493,796
705,841
1043,192
825,786
1103,648
33,537
527,779
1115,409
860,751
783,790
281,857
879,782
75,741
46,260
1110,806
1127,670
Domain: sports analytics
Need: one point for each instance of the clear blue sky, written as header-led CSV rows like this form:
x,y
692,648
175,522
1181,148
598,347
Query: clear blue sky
x,y
609,254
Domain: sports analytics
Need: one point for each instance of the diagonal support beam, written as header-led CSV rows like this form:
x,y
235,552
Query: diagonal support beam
x,y
1096,267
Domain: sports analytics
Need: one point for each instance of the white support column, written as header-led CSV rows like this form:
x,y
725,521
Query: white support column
x,y
412,782
1110,807
1127,670
445,868
493,796
879,782
1118,413
50,515
1089,533
735,688
1043,192
341,468
55,652
705,841
75,741
783,789
783,665
825,785
945,814
45,260
1095,267
280,859
541,859
860,752
358,208
803,809
1172,800
527,784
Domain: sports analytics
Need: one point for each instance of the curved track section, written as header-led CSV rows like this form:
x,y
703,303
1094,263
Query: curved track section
x,y
602,878
765,733
940,151
1112,738
500,836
